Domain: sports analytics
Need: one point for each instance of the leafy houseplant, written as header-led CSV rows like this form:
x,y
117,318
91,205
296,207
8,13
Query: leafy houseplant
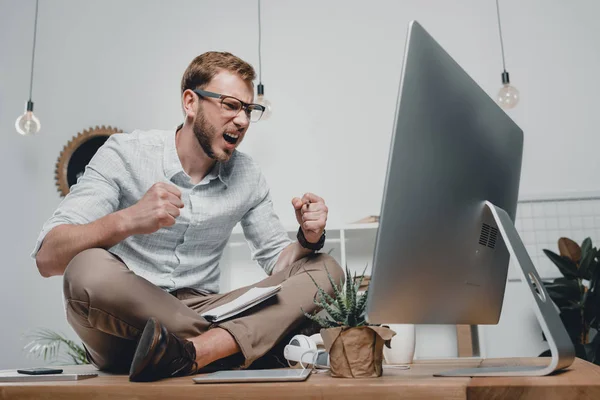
x,y
48,345
576,295
355,347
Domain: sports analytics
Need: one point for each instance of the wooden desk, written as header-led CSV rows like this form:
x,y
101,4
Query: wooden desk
x,y
581,381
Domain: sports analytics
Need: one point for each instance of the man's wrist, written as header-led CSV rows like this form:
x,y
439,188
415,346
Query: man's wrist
x,y
308,245
124,225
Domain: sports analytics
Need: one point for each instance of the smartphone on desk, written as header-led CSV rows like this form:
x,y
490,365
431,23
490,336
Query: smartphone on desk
x,y
40,371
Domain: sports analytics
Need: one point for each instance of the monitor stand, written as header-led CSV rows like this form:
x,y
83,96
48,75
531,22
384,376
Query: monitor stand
x,y
561,347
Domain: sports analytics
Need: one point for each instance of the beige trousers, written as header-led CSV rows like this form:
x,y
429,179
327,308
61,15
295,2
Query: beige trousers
x,y
108,306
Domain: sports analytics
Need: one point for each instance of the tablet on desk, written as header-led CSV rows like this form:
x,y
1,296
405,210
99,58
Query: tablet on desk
x,y
257,375
13,376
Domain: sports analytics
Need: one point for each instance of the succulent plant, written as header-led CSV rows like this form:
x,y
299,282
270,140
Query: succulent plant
x,y
346,307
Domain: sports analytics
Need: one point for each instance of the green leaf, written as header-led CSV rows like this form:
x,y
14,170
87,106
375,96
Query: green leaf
x,y
336,315
355,313
572,283
323,322
565,290
591,308
362,276
594,323
586,246
48,345
573,323
588,253
349,291
566,266
362,303
325,297
337,292
595,275
573,307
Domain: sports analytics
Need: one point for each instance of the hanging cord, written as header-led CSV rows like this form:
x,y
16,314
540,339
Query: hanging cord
x,y
259,43
37,2
500,31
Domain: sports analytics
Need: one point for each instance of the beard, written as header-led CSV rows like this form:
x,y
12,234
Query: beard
x,y
206,134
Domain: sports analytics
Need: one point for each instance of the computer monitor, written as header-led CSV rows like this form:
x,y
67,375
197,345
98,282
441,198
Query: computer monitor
x,y
446,229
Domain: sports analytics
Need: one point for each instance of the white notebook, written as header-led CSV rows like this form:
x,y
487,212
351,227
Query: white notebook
x,y
249,299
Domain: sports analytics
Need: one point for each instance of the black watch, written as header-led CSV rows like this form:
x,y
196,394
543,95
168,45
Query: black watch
x,y
310,246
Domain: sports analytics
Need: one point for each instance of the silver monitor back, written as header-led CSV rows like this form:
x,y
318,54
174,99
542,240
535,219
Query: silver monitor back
x,y
439,258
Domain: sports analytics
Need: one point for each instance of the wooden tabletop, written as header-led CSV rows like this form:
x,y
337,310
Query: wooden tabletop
x,y
581,381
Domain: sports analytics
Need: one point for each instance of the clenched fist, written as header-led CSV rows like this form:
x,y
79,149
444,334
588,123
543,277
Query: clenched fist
x,y
156,209
311,214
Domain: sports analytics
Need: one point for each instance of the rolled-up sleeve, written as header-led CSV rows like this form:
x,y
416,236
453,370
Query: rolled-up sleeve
x,y
95,194
263,230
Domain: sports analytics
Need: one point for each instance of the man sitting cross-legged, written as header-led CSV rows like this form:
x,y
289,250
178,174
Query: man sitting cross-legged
x,y
140,236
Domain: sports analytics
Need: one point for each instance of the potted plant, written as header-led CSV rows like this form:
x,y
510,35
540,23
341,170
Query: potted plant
x,y
355,347
50,346
576,295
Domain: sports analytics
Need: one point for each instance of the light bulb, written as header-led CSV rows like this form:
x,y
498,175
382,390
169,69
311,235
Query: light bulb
x,y
28,123
267,104
508,95
260,99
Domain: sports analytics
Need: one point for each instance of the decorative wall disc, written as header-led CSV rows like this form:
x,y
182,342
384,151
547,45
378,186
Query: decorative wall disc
x,y
77,153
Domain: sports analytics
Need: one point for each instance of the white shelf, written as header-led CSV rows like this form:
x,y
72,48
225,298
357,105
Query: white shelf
x,y
292,229
336,234
339,236
354,227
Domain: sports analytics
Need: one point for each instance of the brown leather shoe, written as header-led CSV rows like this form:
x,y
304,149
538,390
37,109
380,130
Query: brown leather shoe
x,y
160,354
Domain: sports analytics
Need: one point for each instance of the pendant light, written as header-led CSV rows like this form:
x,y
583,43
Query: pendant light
x,y
508,95
260,90
28,123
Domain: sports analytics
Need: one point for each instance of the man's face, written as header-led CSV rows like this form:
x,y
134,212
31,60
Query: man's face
x,y
218,133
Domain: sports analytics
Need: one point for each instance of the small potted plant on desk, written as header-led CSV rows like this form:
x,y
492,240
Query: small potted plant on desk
x,y
355,347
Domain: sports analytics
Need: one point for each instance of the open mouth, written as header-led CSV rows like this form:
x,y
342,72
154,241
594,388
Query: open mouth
x,y
231,138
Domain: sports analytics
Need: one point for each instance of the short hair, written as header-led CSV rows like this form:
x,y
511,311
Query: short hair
x,y
204,67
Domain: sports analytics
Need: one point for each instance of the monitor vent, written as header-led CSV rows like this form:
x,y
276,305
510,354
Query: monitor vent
x,y
488,236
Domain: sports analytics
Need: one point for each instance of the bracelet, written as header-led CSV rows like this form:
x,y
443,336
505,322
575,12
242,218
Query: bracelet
x,y
306,244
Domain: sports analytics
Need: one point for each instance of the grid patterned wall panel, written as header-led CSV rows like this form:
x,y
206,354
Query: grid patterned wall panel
x,y
541,223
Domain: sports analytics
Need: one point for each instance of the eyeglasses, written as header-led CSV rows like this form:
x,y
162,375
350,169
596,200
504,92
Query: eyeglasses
x,y
232,106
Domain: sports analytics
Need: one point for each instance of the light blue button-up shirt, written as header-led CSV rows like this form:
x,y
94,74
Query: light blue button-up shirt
x,y
186,254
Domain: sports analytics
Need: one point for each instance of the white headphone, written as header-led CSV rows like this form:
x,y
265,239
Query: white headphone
x,y
303,350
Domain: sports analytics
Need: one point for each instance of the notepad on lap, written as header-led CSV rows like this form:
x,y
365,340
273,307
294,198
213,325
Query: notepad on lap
x,y
249,299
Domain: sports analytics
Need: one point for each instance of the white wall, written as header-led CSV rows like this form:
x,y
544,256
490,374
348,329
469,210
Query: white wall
x,y
331,69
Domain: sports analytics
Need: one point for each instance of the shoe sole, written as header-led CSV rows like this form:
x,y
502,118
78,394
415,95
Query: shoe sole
x,y
147,350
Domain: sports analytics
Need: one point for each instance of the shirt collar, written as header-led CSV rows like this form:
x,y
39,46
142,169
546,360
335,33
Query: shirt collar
x,y
172,164
224,172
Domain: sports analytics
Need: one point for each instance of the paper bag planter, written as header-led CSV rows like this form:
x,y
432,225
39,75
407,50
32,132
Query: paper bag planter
x,y
356,352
